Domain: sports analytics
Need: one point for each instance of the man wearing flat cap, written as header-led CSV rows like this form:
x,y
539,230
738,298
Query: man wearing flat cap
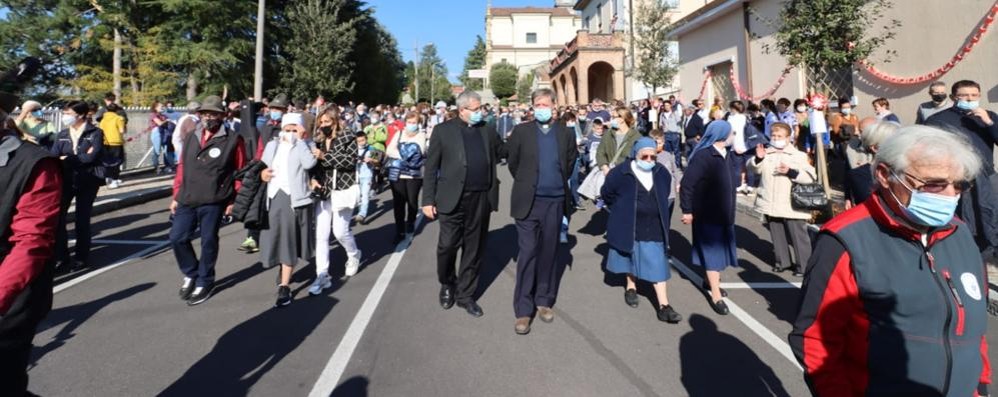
x,y
203,191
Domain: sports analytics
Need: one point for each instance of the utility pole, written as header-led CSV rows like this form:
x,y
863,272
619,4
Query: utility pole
x,y
258,70
416,69
433,70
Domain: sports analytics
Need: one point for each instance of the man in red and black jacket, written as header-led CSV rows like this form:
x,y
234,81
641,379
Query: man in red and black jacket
x,y
895,298
29,212
203,191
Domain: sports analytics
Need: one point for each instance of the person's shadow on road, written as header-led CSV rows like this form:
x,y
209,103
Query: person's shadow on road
x,y
353,387
717,364
244,354
76,315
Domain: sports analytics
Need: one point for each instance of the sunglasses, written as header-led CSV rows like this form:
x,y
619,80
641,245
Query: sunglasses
x,y
934,186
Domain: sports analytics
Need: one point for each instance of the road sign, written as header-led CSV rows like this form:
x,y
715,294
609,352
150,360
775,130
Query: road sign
x,y
477,74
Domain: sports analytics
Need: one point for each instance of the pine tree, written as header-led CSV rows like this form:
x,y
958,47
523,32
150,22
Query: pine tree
x,y
474,60
656,66
319,60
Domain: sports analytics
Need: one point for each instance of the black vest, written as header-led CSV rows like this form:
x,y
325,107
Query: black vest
x,y
36,300
208,171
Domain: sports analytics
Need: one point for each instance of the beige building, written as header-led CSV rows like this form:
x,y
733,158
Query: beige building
x,y
724,41
528,37
596,62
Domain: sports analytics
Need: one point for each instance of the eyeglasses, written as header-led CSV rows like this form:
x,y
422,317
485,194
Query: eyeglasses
x,y
646,157
934,186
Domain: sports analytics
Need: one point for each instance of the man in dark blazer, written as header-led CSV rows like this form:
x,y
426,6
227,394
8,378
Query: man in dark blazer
x,y
460,186
541,155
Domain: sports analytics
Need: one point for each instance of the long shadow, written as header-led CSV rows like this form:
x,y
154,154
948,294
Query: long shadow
x,y
760,247
238,277
76,315
353,387
563,262
596,226
247,352
782,302
717,364
374,245
502,248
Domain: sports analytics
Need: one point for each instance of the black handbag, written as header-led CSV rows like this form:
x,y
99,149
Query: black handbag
x,y
808,197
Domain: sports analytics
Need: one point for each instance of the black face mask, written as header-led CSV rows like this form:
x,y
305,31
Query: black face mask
x,y
938,98
326,130
213,125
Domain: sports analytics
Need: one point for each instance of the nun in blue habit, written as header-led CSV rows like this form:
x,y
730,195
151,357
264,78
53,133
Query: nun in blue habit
x,y
707,198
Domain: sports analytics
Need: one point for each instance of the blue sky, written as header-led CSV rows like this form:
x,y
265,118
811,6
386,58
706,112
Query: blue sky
x,y
449,24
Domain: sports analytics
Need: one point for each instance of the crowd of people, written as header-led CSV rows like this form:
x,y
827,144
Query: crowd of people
x,y
921,202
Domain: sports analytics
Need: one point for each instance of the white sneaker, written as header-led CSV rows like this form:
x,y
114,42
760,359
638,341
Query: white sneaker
x,y
353,264
112,185
321,282
563,238
742,189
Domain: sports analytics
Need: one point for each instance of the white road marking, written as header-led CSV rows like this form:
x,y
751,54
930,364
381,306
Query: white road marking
x,y
768,336
124,242
337,364
96,272
784,285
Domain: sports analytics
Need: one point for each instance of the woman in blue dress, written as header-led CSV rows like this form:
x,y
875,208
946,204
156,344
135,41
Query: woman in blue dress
x,y
707,199
637,194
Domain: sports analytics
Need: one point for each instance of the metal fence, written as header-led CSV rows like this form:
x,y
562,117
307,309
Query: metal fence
x,y
138,151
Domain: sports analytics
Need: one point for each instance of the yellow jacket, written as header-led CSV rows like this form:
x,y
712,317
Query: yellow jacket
x,y
113,126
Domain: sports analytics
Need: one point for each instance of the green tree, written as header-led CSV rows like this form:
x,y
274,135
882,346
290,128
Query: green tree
x,y
524,87
833,33
474,60
316,63
656,66
431,68
503,78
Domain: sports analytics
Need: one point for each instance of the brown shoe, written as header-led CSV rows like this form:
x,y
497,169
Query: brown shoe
x,y
545,314
522,326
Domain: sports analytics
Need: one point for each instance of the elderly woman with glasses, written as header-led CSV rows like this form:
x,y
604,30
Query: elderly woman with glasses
x,y
637,194
898,279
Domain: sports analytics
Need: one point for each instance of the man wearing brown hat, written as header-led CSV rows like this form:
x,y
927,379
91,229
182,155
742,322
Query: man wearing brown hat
x,y
203,191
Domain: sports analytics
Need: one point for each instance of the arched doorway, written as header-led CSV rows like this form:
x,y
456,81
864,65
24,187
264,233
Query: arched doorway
x,y
600,82
563,95
554,86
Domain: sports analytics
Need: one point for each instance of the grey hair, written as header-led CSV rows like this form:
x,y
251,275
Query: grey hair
x,y
938,83
876,133
466,97
543,92
928,143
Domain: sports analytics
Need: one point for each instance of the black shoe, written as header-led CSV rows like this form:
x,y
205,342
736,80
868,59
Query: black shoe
x,y
719,307
778,269
472,308
446,296
798,273
201,294
631,298
62,267
283,296
668,314
186,289
410,228
706,287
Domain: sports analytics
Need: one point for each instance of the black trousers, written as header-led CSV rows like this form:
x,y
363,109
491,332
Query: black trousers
x,y
536,275
17,330
466,228
405,202
85,192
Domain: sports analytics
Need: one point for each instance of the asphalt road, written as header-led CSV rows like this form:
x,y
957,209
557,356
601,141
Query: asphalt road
x,y
120,330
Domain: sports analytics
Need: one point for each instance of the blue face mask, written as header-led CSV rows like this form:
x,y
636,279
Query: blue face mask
x,y
645,164
967,105
412,127
38,113
614,124
543,115
276,115
475,118
928,209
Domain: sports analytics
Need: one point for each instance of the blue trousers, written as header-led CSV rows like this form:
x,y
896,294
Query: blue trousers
x,y
365,195
673,144
185,222
536,274
573,182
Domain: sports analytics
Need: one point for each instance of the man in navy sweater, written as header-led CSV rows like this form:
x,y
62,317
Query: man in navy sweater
x,y
979,206
541,155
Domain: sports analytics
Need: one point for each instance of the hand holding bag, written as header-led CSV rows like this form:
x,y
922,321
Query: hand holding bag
x,y
808,196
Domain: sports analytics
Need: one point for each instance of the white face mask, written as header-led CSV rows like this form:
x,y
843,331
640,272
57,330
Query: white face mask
x,y
801,109
69,119
779,143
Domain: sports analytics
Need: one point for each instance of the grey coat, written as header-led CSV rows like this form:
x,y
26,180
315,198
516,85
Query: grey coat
x,y
301,160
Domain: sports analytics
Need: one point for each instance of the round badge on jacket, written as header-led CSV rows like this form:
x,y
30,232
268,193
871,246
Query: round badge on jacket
x,y
971,286
215,152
